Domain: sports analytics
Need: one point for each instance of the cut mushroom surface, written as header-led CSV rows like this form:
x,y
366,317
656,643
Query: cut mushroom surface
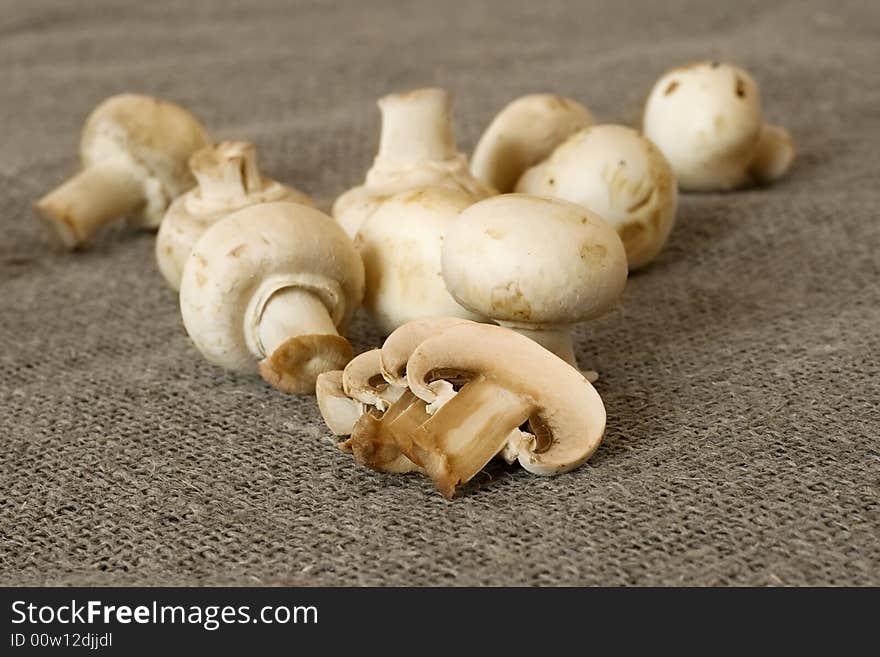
x,y
400,345
563,408
471,388
362,380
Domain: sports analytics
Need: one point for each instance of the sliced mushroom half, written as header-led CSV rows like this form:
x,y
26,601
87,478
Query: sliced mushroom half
x,y
513,380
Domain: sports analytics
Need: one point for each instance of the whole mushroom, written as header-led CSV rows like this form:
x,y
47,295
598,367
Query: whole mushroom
x,y
621,176
228,180
535,264
416,187
400,244
268,288
523,134
416,150
134,151
706,118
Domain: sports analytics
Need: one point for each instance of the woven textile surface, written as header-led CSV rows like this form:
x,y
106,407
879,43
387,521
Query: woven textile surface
x,y
740,371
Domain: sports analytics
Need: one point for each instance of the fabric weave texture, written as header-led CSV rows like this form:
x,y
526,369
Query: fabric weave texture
x,y
740,371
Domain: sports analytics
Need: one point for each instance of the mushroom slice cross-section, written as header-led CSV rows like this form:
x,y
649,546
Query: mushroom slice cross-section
x,y
340,412
402,342
375,446
513,380
362,380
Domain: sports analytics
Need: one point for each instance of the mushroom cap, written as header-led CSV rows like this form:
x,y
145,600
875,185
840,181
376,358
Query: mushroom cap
x,y
147,135
524,133
706,119
568,407
533,261
247,256
621,176
400,244
190,214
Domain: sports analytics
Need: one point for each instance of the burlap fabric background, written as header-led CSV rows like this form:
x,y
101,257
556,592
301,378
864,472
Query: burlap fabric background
x,y
739,373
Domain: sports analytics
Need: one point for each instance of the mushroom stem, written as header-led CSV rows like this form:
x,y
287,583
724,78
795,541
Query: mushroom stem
x,y
292,312
556,340
416,126
299,340
227,172
94,196
468,431
774,154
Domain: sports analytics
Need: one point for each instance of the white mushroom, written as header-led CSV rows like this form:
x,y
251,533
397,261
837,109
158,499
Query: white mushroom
x,y
273,284
416,150
134,152
535,264
706,118
513,380
228,180
621,176
400,244
523,134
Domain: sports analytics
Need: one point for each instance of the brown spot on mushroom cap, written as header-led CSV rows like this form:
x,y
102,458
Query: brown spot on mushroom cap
x,y
594,252
631,232
237,251
494,233
671,87
740,88
508,301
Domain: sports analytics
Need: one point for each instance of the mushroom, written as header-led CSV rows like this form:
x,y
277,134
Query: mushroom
x,y
268,288
365,388
228,180
706,118
512,380
536,264
379,412
416,150
621,176
524,133
400,244
134,151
